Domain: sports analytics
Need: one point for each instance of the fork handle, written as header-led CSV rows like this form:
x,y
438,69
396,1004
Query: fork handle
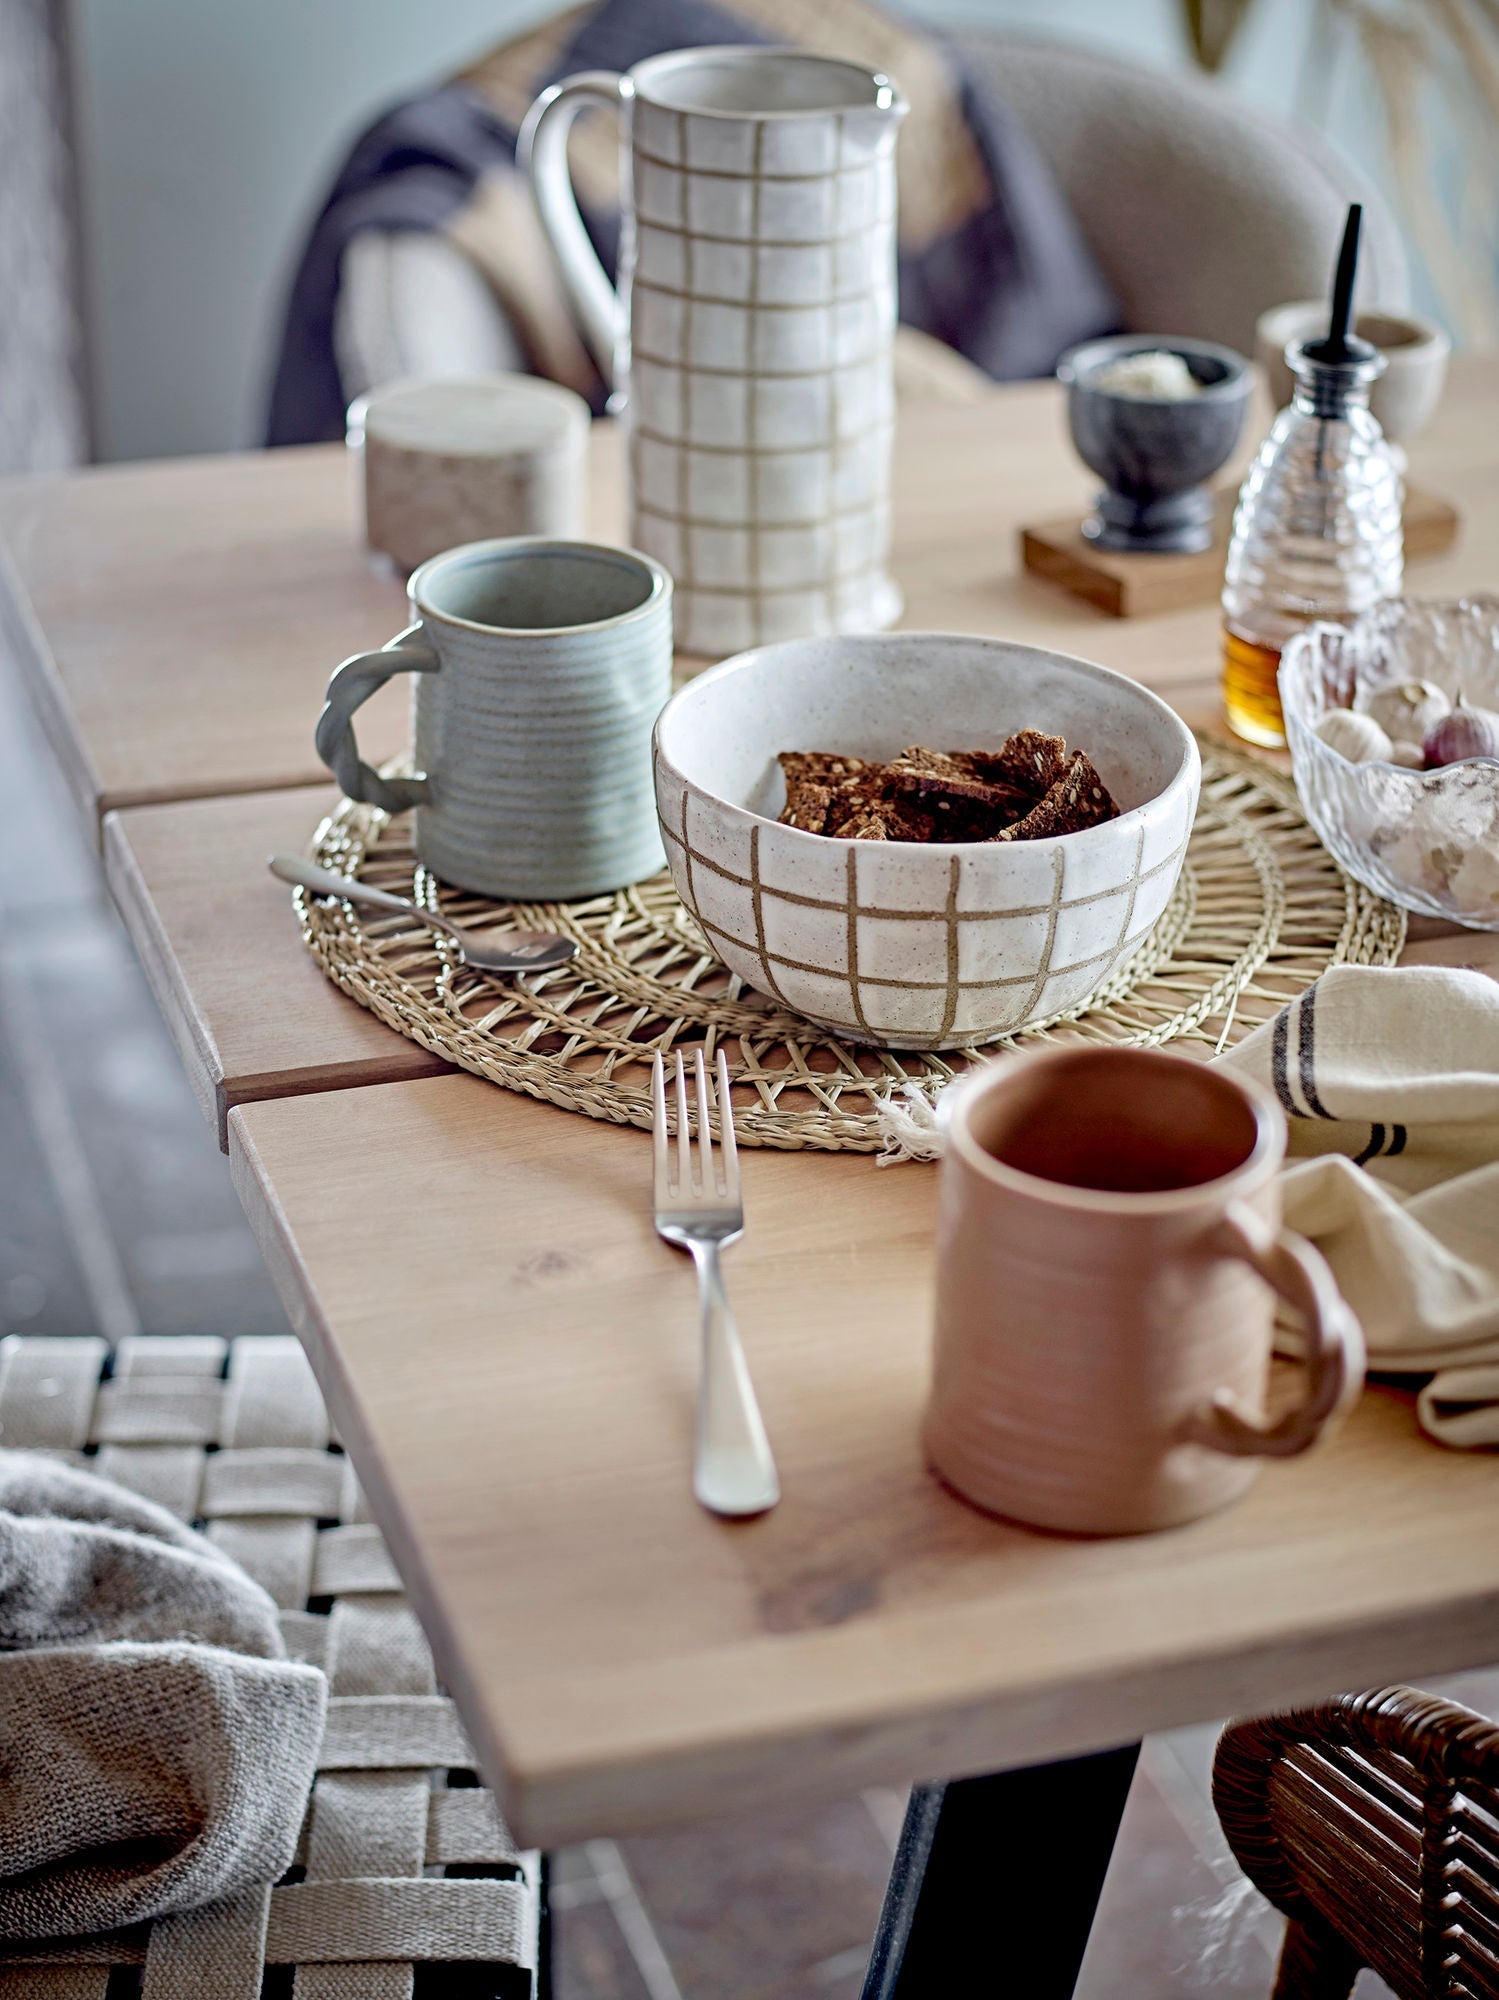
x,y
733,1471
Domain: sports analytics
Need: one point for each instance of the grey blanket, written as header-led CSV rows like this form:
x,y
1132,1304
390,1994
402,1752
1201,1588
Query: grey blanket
x,y
156,1745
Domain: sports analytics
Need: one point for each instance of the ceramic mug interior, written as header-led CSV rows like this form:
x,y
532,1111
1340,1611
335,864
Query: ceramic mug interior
x,y
755,83
1118,1121
535,586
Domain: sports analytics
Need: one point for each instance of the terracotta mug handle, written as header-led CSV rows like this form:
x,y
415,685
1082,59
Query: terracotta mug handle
x,y
1298,1274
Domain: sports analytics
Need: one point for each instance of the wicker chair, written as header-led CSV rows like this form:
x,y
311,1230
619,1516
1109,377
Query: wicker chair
x,y
407,1881
1373,1823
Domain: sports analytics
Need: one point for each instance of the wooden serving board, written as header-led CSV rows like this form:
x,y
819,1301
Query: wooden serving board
x,y
1141,586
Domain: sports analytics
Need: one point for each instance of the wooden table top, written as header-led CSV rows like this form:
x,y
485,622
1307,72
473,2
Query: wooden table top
x,y
249,1008
510,1351
178,622
252,1016
510,1354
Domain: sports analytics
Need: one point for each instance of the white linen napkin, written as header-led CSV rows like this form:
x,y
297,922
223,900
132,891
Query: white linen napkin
x,y
1389,1077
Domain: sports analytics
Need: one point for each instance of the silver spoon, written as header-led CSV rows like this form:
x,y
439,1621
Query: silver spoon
x,y
523,951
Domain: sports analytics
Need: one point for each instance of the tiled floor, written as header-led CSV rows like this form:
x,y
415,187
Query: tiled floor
x,y
116,1212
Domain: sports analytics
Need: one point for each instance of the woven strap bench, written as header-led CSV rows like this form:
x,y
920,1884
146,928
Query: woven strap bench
x,y
407,1880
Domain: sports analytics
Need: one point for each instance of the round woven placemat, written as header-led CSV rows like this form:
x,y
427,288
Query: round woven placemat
x,y
1261,910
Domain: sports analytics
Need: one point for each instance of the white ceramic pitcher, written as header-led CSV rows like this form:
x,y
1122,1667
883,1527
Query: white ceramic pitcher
x,y
750,340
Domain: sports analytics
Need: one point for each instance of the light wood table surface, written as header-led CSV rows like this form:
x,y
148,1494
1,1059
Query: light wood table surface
x,y
249,1008
252,1016
506,1346
510,1354
177,623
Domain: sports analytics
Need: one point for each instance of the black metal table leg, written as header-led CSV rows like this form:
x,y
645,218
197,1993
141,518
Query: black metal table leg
x,y
544,1930
1031,1845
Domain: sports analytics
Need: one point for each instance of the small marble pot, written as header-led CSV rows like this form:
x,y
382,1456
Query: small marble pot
x,y
540,667
1416,353
439,464
1155,457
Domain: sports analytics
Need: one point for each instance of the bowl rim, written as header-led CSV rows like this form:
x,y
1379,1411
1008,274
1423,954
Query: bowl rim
x,y
1080,363
1188,769
1432,339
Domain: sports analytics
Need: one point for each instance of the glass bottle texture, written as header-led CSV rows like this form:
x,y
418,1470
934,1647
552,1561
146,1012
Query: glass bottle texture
x,y
1317,531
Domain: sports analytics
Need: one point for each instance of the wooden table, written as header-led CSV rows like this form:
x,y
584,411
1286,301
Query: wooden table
x,y
505,1345
252,1016
510,1354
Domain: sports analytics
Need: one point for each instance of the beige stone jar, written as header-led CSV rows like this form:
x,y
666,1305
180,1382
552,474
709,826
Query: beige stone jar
x,y
1109,1257
442,463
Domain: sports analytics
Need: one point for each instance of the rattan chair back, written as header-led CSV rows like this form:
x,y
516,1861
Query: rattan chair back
x,y
1373,1823
407,1881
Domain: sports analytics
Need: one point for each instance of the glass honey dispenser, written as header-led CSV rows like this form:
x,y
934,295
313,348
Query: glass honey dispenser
x,y
1317,532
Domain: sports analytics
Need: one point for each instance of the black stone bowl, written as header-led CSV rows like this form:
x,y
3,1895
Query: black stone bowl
x,y
1155,457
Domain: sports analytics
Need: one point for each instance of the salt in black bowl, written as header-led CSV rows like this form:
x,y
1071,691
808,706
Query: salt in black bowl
x,y
1155,456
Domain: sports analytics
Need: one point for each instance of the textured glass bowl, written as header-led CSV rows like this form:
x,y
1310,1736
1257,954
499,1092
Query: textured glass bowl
x,y
1428,840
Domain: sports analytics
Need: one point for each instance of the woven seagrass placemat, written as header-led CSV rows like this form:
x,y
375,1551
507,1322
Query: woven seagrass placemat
x,y
1261,910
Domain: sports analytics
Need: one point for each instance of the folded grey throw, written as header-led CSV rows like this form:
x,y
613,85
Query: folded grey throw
x,y
156,1745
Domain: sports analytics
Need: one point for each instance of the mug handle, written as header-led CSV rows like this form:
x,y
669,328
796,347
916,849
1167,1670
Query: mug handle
x,y
1298,1274
542,153
352,683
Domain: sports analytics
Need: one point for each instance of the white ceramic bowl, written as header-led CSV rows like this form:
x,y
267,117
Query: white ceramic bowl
x,y
910,946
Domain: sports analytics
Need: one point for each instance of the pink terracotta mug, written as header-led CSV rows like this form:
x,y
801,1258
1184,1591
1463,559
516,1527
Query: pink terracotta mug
x,y
1109,1259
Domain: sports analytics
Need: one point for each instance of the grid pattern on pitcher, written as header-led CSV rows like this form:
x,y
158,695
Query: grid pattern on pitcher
x,y
856,980
762,315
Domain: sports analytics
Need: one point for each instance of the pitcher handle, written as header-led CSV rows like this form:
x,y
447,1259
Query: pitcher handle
x,y
1298,1274
353,683
542,153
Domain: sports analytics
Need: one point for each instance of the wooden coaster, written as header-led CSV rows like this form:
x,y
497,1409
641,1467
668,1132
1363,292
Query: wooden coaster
x,y
1139,586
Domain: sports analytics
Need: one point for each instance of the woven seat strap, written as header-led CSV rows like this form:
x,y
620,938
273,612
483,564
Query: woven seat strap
x,y
54,1982
354,1922
218,1951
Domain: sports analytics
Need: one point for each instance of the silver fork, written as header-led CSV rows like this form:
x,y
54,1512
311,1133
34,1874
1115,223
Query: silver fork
x,y
733,1471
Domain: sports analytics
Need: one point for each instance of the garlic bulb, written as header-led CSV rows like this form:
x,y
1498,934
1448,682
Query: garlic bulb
x,y
1462,733
1359,738
1410,755
1409,711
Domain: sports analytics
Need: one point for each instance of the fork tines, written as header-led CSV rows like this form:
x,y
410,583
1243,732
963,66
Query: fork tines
x,y
712,1175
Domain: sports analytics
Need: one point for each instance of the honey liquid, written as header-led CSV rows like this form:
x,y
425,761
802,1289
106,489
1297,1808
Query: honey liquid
x,y
1250,697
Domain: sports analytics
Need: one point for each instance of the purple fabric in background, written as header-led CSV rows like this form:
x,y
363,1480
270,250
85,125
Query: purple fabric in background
x,y
1010,288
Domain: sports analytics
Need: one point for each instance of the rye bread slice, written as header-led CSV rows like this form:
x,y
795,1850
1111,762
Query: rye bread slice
x,y
1078,799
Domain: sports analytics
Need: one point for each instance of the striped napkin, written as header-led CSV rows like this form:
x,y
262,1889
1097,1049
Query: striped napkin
x,y
1389,1077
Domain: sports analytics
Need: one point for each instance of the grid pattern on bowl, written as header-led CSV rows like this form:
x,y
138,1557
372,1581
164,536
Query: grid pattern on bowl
x,y
761,278
850,997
